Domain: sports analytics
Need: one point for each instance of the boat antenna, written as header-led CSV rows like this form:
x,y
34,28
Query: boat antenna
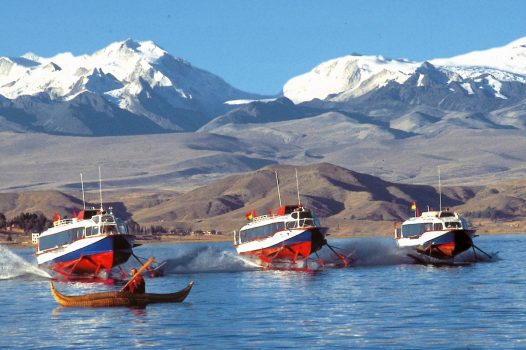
x,y
297,186
277,183
82,186
439,190
100,190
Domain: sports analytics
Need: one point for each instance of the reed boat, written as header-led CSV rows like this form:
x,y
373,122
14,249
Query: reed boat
x,y
117,298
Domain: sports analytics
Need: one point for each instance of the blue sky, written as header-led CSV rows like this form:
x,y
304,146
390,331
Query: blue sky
x,y
258,45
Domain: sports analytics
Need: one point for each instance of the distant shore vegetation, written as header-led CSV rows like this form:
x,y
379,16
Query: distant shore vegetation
x,y
27,222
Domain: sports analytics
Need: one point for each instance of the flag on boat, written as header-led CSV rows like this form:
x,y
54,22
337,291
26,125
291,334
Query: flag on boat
x,y
56,217
413,206
249,215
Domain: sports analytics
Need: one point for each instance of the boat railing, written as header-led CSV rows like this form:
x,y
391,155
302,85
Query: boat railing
x,y
292,223
264,217
64,222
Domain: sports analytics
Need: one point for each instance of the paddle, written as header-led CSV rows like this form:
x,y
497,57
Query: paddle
x,y
143,267
140,261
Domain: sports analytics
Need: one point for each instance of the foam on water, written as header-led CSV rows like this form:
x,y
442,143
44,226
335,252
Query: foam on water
x,y
207,259
363,252
13,266
366,252
210,258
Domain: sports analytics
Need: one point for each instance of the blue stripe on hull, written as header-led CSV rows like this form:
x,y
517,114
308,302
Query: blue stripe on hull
x,y
102,246
305,236
448,237
462,239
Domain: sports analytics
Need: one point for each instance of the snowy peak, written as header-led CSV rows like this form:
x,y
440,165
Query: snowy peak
x,y
510,58
354,75
345,78
116,65
137,76
130,50
427,75
119,65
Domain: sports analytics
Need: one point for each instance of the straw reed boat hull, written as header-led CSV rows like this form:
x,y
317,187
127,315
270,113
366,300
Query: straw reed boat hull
x,y
109,299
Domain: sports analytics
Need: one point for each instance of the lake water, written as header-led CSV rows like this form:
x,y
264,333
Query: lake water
x,y
384,301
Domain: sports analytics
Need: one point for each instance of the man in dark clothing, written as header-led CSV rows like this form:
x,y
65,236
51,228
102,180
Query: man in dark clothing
x,y
138,285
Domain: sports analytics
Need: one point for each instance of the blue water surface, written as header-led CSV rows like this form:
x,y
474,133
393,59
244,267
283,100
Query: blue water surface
x,y
383,301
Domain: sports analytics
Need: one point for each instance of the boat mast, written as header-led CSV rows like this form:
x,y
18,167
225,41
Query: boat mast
x,y
439,190
82,186
100,190
297,186
277,183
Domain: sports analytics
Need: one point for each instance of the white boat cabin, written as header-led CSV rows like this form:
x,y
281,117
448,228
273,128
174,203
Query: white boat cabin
x,y
89,222
287,217
431,221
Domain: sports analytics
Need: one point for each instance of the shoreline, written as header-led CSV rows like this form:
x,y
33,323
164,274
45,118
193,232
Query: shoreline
x,y
185,240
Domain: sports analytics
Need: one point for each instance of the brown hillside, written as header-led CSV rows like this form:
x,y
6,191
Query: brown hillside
x,y
347,201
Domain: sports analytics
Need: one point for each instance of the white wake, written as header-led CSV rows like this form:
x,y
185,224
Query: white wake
x,y
13,266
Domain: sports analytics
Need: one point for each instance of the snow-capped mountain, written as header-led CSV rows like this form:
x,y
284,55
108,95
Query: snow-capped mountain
x,y
354,75
134,87
399,97
137,77
348,77
510,58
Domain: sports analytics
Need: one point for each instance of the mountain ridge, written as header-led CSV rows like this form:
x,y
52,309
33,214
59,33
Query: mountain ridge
x,y
398,129
146,81
138,77
345,200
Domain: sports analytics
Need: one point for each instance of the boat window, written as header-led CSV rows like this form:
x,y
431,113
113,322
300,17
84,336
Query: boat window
x,y
294,215
446,214
58,239
305,214
453,224
96,219
291,224
121,226
437,226
308,222
107,218
109,228
261,231
411,230
91,231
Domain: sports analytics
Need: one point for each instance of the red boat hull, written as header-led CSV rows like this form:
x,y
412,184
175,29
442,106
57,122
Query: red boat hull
x,y
296,248
91,259
91,264
291,252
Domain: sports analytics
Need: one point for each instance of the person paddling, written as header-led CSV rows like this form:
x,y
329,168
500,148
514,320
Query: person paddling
x,y
137,285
